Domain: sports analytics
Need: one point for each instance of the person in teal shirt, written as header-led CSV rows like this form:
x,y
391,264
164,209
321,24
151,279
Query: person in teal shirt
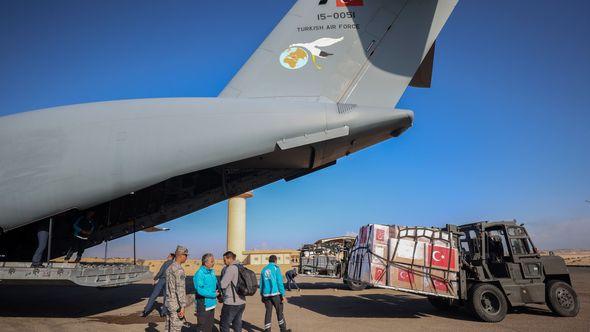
x,y
272,291
206,293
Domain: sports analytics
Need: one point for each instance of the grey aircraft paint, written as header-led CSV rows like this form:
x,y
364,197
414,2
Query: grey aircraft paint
x,y
324,84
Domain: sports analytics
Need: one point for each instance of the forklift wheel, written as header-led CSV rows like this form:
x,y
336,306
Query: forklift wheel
x,y
355,286
441,303
562,299
488,302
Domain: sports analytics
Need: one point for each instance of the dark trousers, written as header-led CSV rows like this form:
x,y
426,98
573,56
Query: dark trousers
x,y
42,237
205,318
274,302
231,314
291,281
159,288
78,246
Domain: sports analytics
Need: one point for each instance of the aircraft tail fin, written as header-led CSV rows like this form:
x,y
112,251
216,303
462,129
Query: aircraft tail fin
x,y
362,52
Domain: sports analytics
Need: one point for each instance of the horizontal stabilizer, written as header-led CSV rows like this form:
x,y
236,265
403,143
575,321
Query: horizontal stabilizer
x,y
308,139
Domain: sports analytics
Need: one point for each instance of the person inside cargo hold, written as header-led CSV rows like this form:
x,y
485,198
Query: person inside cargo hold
x,y
83,229
42,238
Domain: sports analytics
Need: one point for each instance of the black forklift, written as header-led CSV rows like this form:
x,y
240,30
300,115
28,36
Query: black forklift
x,y
501,269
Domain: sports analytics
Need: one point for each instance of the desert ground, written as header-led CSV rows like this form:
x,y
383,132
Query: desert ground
x,y
322,305
573,257
190,266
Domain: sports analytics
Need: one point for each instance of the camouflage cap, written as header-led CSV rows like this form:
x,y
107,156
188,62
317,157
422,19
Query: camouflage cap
x,y
180,250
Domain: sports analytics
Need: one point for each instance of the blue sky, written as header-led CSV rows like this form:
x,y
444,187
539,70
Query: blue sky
x,y
503,133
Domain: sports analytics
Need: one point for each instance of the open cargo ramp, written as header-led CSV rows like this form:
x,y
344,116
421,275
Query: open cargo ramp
x,y
88,275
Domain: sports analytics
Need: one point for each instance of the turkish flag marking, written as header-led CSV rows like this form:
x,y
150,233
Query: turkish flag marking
x,y
440,285
405,275
347,3
380,235
379,272
442,257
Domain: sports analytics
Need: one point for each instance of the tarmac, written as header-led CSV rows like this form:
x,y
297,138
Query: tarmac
x,y
322,305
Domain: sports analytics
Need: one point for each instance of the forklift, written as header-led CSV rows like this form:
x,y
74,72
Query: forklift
x,y
501,269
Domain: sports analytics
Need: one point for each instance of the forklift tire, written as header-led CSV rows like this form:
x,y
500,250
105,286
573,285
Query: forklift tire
x,y
562,299
355,286
488,302
441,303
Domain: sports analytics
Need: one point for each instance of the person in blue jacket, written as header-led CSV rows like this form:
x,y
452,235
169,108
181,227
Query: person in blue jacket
x,y
159,287
206,293
272,291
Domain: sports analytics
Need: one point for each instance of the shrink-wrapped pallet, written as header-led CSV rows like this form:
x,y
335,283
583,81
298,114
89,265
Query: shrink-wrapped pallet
x,y
406,251
367,262
406,277
415,259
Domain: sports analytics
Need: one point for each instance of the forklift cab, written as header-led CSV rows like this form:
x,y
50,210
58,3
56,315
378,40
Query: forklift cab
x,y
502,267
503,253
511,254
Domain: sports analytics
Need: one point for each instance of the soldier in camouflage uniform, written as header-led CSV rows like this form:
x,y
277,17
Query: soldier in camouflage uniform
x,y
175,291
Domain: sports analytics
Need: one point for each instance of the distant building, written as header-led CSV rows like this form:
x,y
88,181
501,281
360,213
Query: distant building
x,y
260,257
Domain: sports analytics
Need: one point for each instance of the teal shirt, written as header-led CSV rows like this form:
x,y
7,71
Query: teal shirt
x,y
271,281
205,283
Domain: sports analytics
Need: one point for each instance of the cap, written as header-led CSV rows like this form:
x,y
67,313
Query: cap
x,y
180,250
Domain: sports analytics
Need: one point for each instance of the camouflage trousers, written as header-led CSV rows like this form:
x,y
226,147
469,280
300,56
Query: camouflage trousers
x,y
173,323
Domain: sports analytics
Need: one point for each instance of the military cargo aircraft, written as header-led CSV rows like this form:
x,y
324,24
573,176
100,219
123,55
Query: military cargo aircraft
x,y
322,85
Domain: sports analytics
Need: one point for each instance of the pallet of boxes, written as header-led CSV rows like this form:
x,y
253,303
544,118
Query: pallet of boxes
x,y
412,259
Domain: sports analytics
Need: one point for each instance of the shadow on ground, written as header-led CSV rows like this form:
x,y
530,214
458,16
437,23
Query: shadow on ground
x,y
323,284
374,306
391,306
77,301
90,303
67,301
246,326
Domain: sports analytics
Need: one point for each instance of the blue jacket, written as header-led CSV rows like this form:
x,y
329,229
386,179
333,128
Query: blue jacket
x,y
161,275
205,285
271,281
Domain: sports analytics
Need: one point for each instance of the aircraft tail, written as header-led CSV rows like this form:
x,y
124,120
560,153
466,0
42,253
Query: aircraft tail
x,y
363,52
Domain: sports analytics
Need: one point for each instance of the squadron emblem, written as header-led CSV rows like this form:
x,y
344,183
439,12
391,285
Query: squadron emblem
x,y
297,55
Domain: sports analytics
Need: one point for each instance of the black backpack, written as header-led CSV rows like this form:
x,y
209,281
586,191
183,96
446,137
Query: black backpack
x,y
247,282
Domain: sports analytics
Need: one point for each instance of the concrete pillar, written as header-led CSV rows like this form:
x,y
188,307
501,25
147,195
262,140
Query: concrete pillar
x,y
236,224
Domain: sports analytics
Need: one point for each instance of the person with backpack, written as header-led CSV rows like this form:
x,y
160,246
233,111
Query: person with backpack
x,y
206,293
234,302
272,292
